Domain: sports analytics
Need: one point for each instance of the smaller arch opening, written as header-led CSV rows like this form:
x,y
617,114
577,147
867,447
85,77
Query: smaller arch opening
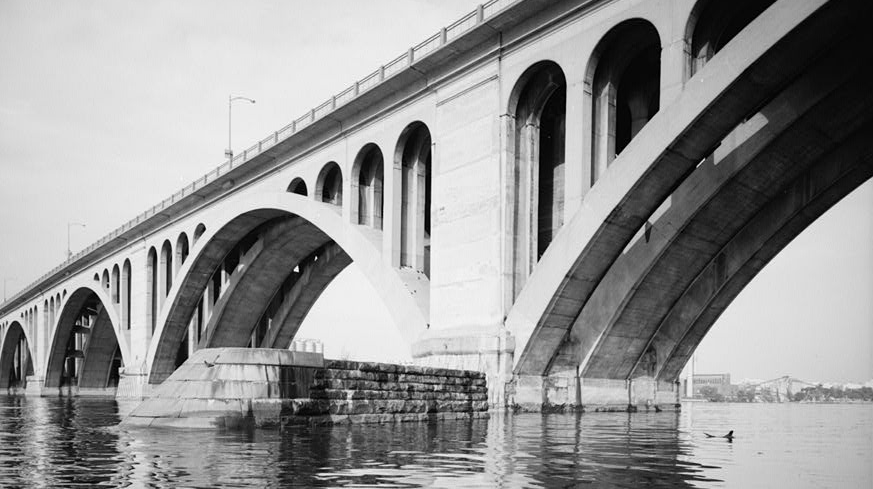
x,y
125,294
624,75
152,288
412,166
298,186
539,106
51,312
198,231
330,184
713,24
116,284
105,283
166,270
181,251
367,175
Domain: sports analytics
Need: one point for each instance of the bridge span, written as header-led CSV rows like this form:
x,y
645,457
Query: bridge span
x,y
562,194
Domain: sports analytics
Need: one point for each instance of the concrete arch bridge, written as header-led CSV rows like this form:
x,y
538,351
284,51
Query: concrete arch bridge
x,y
563,194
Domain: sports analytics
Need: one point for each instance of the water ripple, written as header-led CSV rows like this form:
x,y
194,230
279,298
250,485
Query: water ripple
x,y
76,442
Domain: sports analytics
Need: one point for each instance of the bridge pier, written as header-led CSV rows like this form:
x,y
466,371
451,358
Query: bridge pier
x,y
133,384
483,349
33,385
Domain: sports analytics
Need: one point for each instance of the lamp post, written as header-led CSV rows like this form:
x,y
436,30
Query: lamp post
x,y
69,225
230,98
6,279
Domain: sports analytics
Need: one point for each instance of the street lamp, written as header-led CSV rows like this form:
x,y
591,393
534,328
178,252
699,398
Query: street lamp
x,y
230,98
6,279
69,225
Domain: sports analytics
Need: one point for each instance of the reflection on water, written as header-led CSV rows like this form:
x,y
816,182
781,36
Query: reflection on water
x,y
62,442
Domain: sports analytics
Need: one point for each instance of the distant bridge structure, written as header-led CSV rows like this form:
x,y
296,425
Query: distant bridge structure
x,y
565,194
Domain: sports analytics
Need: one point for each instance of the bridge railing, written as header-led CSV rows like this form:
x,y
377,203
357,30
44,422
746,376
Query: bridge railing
x,y
396,65
463,25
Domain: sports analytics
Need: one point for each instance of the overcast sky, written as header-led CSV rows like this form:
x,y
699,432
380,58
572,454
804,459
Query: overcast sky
x,y
108,107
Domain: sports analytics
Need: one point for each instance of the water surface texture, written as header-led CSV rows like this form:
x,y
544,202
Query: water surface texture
x,y
67,442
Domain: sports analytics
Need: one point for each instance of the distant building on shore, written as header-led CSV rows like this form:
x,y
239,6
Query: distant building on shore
x,y
720,382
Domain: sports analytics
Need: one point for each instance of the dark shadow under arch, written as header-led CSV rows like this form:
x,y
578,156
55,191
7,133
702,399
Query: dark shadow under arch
x,y
83,351
366,183
623,75
16,361
282,242
412,167
538,104
271,238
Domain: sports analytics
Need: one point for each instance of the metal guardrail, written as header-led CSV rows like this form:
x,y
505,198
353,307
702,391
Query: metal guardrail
x,y
415,53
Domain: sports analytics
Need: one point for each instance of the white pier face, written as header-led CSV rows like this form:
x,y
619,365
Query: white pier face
x,y
566,197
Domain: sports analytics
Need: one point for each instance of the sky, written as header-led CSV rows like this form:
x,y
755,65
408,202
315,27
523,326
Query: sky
x,y
107,107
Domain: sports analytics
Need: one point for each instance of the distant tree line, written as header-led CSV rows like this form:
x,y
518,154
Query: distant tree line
x,y
821,393
818,393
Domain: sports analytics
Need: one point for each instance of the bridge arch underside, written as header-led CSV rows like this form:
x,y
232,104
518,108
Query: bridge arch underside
x,y
276,265
16,362
650,280
85,352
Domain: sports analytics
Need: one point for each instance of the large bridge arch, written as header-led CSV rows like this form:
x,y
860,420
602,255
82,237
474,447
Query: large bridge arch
x,y
295,228
16,357
662,295
750,71
95,348
769,179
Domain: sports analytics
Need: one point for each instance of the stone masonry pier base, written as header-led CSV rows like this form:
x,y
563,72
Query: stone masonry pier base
x,y
487,350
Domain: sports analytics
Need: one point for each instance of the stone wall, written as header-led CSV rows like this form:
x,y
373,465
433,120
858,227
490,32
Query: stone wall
x,y
383,392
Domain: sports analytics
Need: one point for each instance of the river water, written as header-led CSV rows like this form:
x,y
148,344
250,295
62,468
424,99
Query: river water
x,y
54,442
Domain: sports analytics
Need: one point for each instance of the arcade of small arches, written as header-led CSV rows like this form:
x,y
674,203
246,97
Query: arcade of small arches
x,y
622,93
412,164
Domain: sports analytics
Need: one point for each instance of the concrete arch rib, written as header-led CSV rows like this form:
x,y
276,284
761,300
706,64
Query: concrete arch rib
x,y
107,328
752,69
306,225
811,195
14,334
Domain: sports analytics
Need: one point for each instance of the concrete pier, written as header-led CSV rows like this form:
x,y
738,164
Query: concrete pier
x,y
241,387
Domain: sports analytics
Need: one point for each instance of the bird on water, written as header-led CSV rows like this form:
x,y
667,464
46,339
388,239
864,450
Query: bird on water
x,y
729,436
